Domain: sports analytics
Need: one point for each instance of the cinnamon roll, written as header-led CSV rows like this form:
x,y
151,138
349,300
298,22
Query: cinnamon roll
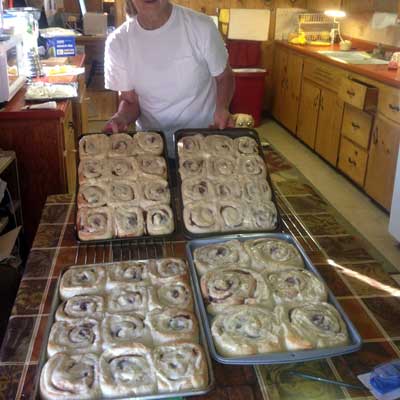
x,y
227,189
255,190
192,145
194,167
233,216
84,306
246,330
70,376
122,330
311,325
148,143
128,221
175,295
167,270
121,145
82,280
252,166
154,191
92,169
123,191
74,336
201,217
127,371
128,299
173,324
94,146
246,145
180,366
220,255
263,216
123,168
233,286
195,189
159,220
149,165
127,272
218,145
219,167
94,223
93,194
273,255
296,286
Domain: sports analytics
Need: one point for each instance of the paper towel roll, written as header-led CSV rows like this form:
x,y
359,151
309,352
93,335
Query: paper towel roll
x,y
381,20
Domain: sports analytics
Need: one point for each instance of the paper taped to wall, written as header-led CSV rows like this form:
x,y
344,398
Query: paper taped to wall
x,y
249,24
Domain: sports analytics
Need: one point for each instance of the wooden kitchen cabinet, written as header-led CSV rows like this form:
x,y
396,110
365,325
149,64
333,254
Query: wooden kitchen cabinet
x,y
383,153
354,6
322,5
279,73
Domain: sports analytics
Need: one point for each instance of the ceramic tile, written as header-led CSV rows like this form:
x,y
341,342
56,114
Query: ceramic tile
x,y
59,198
29,297
308,204
39,263
276,162
30,381
9,380
65,258
234,374
48,305
69,238
295,187
40,340
323,224
333,280
47,236
54,213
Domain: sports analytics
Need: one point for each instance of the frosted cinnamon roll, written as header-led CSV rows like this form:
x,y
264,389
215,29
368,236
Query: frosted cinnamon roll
x,y
220,167
148,143
149,165
193,167
175,295
219,145
311,325
94,146
84,306
123,168
233,215
124,191
227,189
123,330
166,270
201,217
296,286
246,145
252,166
233,286
127,371
93,194
220,255
246,330
263,216
173,324
255,190
94,223
70,376
121,145
128,299
192,145
93,169
82,280
180,366
273,255
127,272
159,220
74,336
128,221
194,189
154,191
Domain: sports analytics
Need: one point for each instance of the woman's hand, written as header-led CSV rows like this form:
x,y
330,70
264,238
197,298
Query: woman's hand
x,y
116,124
223,119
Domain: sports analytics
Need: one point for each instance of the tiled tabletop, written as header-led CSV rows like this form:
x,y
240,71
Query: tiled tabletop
x,y
360,278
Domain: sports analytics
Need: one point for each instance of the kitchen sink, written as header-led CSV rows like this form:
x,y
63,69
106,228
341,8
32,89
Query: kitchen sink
x,y
352,57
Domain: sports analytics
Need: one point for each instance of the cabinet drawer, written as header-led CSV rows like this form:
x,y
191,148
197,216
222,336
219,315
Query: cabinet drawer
x,y
323,74
389,103
353,161
359,94
357,126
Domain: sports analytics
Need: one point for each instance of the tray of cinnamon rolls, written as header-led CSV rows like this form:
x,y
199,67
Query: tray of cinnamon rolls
x,y
223,182
124,330
263,302
124,187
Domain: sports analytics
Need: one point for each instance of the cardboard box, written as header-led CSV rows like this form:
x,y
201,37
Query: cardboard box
x,y
61,46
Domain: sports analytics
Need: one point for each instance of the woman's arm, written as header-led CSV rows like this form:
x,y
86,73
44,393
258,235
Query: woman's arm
x,y
225,90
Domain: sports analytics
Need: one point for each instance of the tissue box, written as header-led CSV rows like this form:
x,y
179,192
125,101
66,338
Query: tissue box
x,y
61,46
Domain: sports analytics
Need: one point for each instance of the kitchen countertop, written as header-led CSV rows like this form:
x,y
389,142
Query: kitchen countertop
x,y
378,73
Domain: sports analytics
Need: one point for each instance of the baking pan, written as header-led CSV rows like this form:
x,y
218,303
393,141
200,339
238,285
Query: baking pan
x,y
53,98
169,236
232,133
56,301
270,358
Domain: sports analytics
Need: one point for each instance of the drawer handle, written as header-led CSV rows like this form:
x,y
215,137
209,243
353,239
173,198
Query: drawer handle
x,y
376,135
394,107
352,162
351,93
355,125
316,100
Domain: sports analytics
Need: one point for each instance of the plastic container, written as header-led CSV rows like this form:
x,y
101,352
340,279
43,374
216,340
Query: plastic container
x,y
249,92
244,53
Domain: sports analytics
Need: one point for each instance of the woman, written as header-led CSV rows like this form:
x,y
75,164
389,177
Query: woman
x,y
169,64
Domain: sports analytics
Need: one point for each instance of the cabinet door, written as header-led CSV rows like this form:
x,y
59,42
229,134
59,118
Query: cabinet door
x,y
382,161
328,129
280,78
308,113
70,146
290,108
322,5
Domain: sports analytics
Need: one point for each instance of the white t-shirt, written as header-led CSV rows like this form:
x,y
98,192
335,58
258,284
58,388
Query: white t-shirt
x,y
171,69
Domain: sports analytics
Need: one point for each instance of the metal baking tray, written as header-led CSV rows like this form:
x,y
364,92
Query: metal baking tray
x,y
233,133
270,358
53,98
171,186
56,301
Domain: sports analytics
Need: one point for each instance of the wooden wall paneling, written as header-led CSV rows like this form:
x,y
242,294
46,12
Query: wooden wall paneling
x,y
290,4
321,5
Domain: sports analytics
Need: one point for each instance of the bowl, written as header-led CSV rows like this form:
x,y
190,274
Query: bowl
x,y
345,45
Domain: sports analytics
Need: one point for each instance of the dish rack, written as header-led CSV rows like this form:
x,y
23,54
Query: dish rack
x,y
315,26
